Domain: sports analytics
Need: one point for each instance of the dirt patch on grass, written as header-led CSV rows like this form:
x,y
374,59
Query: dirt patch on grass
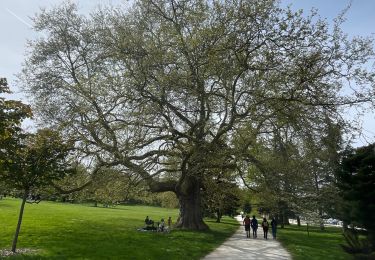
x,y
21,251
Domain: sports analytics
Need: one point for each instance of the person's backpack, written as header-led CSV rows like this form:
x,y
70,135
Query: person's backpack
x,y
265,224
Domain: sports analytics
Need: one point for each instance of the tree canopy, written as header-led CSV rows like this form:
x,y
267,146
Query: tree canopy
x,y
186,88
37,160
12,113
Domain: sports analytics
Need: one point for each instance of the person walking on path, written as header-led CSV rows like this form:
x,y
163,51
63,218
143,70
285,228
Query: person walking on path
x,y
254,226
246,223
265,228
273,227
240,248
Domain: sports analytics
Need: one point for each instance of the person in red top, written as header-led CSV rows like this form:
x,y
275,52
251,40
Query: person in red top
x,y
246,223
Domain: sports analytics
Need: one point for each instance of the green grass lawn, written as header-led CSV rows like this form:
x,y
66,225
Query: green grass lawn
x,y
317,245
72,231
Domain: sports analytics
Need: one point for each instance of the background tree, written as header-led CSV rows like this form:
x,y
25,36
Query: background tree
x,y
34,162
246,207
12,113
177,81
356,180
297,179
107,186
221,194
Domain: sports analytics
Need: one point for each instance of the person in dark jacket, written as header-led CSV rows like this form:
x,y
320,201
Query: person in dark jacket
x,y
273,227
254,226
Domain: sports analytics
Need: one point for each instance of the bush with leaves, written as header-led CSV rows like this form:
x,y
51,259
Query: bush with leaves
x,y
356,180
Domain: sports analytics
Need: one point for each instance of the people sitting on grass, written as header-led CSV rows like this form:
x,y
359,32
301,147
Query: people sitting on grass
x,y
254,226
148,221
265,228
161,226
149,224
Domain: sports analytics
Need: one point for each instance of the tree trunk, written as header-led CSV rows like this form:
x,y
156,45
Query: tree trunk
x,y
15,239
298,221
321,222
282,218
189,195
218,216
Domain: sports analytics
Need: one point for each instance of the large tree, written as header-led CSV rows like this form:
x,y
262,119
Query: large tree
x,y
164,87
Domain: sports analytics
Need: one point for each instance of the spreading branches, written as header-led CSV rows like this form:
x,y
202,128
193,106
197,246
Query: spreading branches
x,y
185,82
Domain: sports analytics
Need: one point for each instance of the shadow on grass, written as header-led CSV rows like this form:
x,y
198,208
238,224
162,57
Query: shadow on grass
x,y
4,205
317,245
229,223
312,229
109,208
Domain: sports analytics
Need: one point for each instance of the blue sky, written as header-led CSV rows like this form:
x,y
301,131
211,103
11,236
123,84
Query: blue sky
x,y
15,30
360,16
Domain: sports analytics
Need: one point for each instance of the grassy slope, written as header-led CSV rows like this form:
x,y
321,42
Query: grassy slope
x,y
66,231
318,245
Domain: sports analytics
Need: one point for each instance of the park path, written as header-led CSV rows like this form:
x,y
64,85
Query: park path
x,y
240,247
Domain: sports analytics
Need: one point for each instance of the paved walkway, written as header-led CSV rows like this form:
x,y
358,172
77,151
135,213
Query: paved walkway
x,y
240,247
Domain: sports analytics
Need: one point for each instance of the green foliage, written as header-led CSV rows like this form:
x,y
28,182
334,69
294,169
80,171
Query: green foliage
x,y
355,245
37,160
72,231
12,113
220,194
27,161
296,172
246,207
356,180
33,163
168,200
111,187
